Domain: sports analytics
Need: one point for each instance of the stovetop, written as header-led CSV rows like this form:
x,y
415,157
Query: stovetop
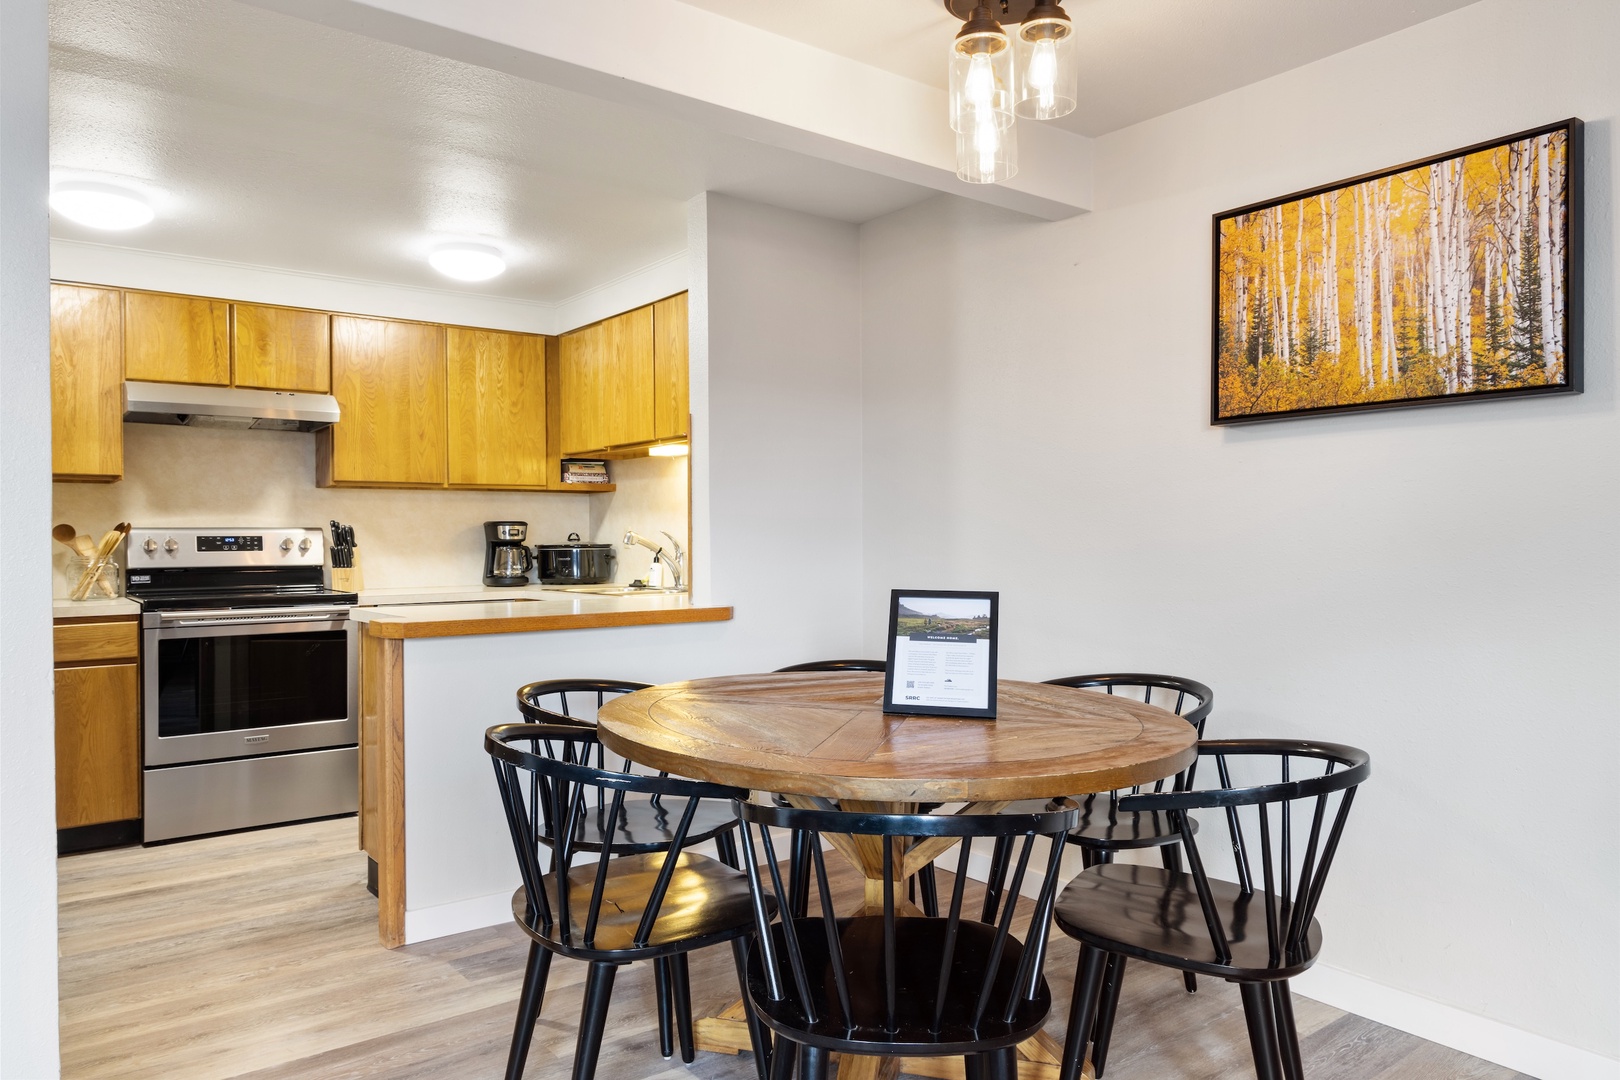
x,y
229,568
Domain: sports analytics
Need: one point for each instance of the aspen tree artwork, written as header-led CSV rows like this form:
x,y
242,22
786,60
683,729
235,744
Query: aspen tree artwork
x,y
1447,279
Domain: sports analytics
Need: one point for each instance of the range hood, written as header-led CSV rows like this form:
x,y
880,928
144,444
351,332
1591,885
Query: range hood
x,y
224,406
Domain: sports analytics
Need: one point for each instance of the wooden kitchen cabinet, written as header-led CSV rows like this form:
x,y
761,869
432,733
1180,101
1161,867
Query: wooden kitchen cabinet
x,y
389,379
496,388
279,348
624,381
607,384
178,339
98,734
87,383
671,409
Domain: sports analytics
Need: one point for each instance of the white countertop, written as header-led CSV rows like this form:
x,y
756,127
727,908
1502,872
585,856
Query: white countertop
x,y
526,610
97,607
449,594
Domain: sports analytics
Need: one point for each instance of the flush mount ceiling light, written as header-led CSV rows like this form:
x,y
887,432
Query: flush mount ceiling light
x,y
468,262
100,205
992,77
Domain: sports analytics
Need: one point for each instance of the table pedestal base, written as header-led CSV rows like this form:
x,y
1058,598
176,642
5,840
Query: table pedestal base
x,y
1038,1058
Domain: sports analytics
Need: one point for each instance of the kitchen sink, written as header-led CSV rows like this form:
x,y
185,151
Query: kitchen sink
x,y
617,590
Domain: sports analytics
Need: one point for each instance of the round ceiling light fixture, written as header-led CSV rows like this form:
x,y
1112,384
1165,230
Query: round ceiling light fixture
x,y
100,205
468,262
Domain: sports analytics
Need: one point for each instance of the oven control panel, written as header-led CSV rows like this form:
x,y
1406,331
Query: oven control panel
x,y
222,548
239,542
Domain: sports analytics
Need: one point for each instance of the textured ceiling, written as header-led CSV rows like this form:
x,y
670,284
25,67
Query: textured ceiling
x,y
1138,58
270,140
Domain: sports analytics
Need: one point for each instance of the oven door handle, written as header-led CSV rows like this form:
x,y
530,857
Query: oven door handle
x,y
239,616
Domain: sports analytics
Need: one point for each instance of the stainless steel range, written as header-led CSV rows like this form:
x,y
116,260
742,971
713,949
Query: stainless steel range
x,y
249,680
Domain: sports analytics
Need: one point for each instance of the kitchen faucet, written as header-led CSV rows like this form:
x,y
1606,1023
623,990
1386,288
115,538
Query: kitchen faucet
x,y
674,563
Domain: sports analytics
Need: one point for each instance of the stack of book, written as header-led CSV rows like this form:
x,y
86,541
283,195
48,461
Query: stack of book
x,y
585,472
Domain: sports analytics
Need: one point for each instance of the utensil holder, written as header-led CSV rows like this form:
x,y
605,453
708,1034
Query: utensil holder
x,y
108,583
348,578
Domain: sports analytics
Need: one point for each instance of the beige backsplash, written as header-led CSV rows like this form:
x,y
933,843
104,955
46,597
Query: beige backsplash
x,y
408,539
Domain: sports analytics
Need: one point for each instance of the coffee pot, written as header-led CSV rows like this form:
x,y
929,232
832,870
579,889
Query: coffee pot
x,y
507,560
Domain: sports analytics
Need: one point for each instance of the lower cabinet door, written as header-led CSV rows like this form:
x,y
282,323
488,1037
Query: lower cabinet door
x,y
98,744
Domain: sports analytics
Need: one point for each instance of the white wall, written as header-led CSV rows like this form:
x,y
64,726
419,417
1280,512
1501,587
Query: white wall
x,y
1438,586
28,1022
776,475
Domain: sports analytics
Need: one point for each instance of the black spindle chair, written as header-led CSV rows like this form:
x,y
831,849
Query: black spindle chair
x,y
886,986
798,870
1105,829
622,903
1285,804
643,826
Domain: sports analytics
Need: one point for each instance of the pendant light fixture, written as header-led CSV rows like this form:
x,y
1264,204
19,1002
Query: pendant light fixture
x,y
982,91
1048,76
1032,73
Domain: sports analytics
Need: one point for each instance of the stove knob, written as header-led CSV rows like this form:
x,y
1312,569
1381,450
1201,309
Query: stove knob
x,y
150,547
171,545
304,545
286,545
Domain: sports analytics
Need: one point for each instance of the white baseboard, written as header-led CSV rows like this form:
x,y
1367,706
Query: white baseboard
x,y
1492,1040
475,913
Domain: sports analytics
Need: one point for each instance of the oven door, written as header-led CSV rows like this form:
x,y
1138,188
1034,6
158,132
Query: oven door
x,y
217,685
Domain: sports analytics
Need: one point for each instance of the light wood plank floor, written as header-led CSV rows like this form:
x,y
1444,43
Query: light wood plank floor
x,y
256,955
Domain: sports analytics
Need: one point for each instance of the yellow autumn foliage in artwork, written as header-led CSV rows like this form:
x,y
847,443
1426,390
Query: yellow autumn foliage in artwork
x,y
1445,279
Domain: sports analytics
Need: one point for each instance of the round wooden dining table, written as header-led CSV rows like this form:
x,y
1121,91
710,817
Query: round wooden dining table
x,y
822,739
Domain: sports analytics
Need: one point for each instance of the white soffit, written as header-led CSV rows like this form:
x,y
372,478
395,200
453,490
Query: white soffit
x,y
1138,58
275,141
692,65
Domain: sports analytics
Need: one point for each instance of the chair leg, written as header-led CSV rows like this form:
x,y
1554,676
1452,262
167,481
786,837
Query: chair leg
x,y
784,1055
1103,1031
1171,855
995,1065
758,1037
681,985
529,1001
593,1019
998,871
930,891
666,1013
1257,1010
1287,1034
815,1063
1088,975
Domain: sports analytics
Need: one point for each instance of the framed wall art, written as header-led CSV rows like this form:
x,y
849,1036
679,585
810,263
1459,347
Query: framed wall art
x,y
1454,278
942,653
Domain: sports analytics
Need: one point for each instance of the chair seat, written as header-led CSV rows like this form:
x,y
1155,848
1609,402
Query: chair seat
x,y
1104,827
707,902
1153,914
919,947
645,826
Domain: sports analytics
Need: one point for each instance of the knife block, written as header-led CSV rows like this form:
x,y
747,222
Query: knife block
x,y
347,578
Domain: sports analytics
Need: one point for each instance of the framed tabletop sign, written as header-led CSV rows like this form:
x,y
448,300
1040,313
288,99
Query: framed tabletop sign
x,y
942,653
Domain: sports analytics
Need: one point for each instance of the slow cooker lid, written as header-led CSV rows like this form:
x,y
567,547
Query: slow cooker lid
x,y
574,543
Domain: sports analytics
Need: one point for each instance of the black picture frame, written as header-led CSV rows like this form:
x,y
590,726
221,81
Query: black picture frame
x,y
892,676
1571,283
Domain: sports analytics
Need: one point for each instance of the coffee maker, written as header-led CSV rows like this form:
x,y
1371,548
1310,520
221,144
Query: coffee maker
x,y
507,560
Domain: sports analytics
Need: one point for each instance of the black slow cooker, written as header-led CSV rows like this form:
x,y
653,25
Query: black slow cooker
x,y
574,563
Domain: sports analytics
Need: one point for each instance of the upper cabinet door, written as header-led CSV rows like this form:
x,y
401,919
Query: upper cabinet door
x,y
277,348
670,399
497,408
579,379
388,377
179,339
628,389
87,380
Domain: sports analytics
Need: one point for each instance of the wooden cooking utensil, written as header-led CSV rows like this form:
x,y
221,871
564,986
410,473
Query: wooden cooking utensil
x,y
82,546
109,543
